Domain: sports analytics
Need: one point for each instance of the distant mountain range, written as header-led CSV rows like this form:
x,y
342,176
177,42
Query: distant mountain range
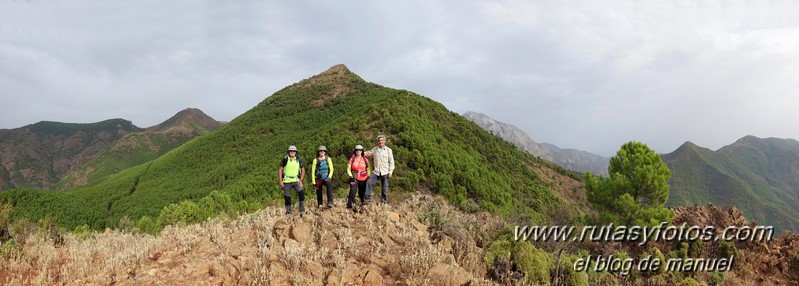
x,y
756,175
572,159
48,155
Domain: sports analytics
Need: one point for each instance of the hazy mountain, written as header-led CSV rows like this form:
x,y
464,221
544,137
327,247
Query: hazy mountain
x,y
572,159
759,176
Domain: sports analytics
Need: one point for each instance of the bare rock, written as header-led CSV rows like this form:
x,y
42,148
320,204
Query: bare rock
x,y
351,273
442,274
301,232
373,278
393,217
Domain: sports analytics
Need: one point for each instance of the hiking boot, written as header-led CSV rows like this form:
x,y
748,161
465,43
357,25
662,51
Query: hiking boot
x,y
302,208
329,205
288,210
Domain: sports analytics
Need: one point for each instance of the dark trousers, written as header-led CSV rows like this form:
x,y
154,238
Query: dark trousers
x,y
373,178
360,188
324,183
287,187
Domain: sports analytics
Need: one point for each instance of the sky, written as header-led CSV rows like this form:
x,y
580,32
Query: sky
x,y
590,75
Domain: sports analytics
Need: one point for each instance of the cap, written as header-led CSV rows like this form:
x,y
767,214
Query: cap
x,y
293,148
358,147
321,148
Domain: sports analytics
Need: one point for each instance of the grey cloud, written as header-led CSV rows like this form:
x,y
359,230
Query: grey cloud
x,y
585,74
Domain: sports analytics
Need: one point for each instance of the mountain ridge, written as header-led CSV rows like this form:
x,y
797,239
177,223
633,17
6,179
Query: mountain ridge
x,y
140,147
337,109
37,155
41,155
572,159
760,176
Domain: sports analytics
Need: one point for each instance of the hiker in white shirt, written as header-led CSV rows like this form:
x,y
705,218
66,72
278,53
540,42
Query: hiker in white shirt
x,y
383,169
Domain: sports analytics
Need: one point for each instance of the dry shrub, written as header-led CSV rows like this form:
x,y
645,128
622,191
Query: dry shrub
x,y
251,250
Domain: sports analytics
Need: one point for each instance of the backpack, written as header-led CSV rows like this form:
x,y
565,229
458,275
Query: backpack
x,y
319,163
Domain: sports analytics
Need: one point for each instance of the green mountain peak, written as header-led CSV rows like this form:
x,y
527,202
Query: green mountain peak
x,y
759,176
190,119
436,151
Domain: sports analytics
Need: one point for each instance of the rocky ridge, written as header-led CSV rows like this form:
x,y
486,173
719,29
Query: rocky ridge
x,y
572,159
385,246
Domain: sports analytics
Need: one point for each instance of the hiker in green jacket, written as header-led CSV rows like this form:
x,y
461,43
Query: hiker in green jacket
x,y
383,169
322,170
291,174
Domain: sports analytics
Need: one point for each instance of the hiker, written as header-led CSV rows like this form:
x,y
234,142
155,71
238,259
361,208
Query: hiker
x,y
291,174
383,169
359,165
322,169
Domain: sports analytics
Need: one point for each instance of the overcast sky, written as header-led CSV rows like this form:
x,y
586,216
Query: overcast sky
x,y
579,74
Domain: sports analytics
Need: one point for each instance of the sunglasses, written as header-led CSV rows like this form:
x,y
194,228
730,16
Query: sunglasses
x,y
358,149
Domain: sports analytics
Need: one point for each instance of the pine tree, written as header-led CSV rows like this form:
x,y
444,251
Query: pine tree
x,y
636,189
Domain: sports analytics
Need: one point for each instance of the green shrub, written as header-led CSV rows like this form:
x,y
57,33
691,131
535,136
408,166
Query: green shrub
x,y
680,250
433,219
469,206
688,281
8,248
716,278
666,278
606,278
82,231
147,225
499,248
569,275
5,214
216,203
695,248
657,254
185,212
726,249
535,263
125,224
